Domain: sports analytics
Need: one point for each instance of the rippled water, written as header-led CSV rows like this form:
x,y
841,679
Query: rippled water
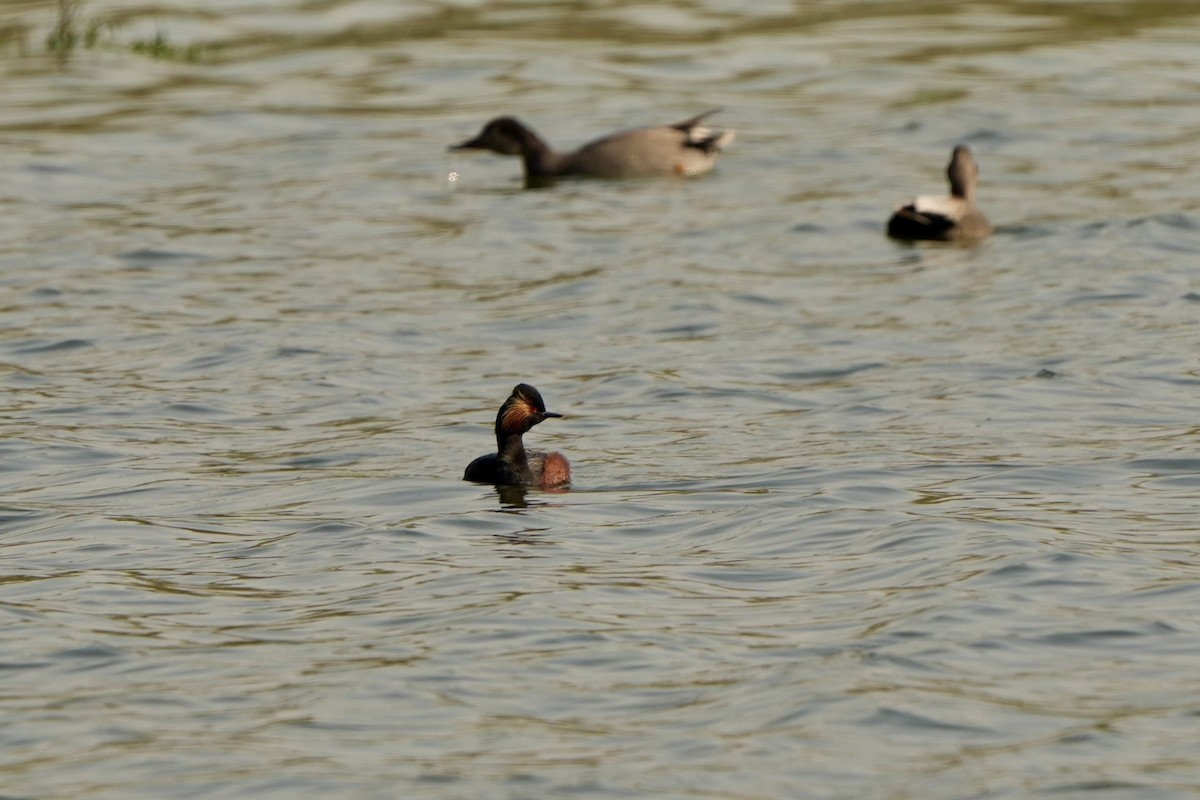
x,y
851,518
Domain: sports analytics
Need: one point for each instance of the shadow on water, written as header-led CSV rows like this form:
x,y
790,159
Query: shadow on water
x,y
513,497
516,498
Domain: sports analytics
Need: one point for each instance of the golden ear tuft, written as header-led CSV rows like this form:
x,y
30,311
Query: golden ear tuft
x,y
516,412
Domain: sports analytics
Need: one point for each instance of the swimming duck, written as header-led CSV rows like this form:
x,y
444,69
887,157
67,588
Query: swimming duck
x,y
685,148
512,464
950,219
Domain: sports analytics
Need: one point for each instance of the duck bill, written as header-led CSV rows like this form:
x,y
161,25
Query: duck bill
x,y
548,414
470,144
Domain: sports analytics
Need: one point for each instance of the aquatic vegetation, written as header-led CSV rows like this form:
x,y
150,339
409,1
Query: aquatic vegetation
x,y
64,36
70,32
159,47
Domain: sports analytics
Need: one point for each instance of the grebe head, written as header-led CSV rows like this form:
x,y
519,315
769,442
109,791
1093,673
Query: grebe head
x,y
523,409
503,135
963,172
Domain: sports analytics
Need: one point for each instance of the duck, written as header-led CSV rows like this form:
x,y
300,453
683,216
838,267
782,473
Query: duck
x,y
684,149
512,464
954,218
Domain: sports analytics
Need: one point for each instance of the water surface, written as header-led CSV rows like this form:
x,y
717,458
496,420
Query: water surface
x,y
851,518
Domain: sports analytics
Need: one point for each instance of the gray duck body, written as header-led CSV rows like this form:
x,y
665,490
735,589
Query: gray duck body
x,y
953,218
684,149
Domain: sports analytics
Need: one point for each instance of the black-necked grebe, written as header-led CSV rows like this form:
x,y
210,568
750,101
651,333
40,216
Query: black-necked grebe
x,y
949,219
685,148
512,464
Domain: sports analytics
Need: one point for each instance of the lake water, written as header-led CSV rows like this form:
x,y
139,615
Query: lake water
x,y
851,518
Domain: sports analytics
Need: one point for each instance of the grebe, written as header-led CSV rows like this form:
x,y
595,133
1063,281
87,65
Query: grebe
x,y
512,464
